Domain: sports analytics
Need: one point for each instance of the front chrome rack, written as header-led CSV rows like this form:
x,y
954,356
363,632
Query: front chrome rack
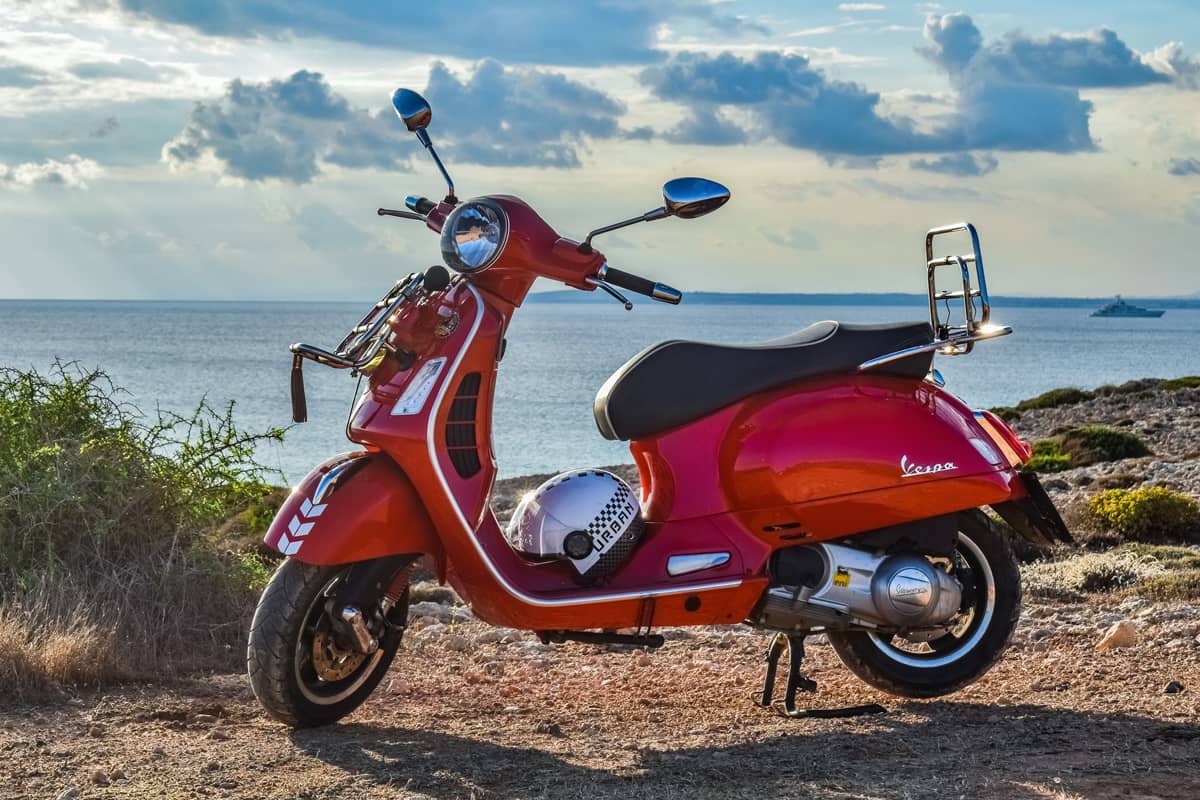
x,y
950,339
358,349
362,343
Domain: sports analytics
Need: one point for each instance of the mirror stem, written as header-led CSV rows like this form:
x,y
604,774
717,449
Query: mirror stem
x,y
649,216
423,138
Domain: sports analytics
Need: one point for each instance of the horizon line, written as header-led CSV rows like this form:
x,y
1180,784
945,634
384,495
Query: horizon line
x,y
567,292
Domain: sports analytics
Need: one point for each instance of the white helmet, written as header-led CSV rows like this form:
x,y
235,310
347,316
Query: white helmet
x,y
590,518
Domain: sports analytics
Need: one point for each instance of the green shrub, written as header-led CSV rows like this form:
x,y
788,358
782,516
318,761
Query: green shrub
x,y
1048,456
1170,557
1091,444
1049,463
1151,513
1172,586
1119,480
1079,447
1135,386
108,519
1186,382
1181,579
1160,572
1055,398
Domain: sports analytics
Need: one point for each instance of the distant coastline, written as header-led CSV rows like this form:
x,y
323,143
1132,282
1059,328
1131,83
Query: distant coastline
x,y
865,299
572,296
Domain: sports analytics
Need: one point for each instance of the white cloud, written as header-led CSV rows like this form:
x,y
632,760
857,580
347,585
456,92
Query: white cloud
x,y
74,172
1169,59
861,7
820,31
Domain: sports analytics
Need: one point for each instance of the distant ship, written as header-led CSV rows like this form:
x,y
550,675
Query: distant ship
x,y
1119,308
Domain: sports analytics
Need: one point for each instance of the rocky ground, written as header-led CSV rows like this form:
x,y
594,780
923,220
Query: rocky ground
x,y
1168,422
474,712
1095,699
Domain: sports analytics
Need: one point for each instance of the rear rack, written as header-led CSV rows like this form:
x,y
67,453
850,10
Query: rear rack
x,y
948,339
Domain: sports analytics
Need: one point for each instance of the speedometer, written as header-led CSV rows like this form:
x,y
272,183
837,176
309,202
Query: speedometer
x,y
474,235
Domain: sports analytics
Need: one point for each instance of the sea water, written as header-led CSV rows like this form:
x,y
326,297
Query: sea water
x,y
170,355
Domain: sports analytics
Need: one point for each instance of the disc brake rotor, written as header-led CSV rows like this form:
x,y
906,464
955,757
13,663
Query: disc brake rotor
x,y
329,661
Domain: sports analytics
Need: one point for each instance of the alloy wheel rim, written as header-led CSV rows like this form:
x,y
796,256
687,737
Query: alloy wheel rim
x,y
325,674
974,627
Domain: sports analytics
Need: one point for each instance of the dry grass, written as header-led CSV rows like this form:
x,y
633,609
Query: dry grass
x,y
1159,572
36,655
113,562
1092,572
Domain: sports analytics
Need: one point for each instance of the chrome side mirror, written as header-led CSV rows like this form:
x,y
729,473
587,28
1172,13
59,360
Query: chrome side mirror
x,y
688,198
414,110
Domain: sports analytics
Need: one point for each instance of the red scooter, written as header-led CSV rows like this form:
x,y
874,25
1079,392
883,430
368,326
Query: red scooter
x,y
820,482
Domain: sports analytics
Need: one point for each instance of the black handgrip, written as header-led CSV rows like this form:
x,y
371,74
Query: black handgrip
x,y
634,283
421,205
299,404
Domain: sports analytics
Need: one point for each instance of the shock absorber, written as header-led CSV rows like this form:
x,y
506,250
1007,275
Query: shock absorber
x,y
393,594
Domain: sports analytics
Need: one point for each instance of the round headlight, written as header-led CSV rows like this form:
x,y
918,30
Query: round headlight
x,y
474,235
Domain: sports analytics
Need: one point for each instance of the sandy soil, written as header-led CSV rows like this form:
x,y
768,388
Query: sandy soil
x,y
464,716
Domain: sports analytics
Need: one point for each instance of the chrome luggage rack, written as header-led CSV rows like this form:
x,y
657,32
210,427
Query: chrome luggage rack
x,y
948,339
362,343
360,347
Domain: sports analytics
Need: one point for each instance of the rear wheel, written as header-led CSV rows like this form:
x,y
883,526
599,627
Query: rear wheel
x,y
919,665
301,668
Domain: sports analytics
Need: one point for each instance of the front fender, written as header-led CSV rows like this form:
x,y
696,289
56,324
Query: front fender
x,y
354,507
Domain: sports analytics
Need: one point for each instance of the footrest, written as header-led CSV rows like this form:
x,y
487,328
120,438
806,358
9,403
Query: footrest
x,y
651,640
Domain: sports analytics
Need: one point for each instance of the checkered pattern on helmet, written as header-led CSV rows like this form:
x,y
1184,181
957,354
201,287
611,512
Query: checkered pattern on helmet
x,y
616,503
623,546
616,554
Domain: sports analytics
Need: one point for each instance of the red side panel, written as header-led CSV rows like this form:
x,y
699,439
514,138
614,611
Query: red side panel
x,y
353,507
827,458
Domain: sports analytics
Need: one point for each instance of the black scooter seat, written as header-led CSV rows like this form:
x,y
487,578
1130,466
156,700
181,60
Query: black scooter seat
x,y
676,382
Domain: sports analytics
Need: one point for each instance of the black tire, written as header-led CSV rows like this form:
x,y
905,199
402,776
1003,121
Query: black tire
x,y
277,657
953,661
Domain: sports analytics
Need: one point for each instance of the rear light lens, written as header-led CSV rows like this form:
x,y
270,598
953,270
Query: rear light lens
x,y
1015,449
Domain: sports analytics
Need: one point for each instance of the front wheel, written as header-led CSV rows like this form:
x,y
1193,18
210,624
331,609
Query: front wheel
x,y
918,666
301,670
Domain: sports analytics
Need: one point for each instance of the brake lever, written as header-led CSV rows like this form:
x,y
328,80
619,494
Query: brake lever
x,y
391,212
620,298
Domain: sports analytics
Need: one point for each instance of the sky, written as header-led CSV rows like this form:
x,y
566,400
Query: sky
x,y
238,149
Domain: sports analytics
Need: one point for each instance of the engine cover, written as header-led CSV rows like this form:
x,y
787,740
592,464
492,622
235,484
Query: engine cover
x,y
908,590
857,587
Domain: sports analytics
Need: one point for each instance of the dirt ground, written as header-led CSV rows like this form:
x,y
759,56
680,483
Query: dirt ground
x,y
463,716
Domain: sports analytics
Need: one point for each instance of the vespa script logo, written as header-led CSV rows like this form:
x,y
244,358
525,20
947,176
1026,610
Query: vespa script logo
x,y
911,470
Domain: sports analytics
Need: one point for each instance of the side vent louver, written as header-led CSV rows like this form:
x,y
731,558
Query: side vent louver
x,y
460,427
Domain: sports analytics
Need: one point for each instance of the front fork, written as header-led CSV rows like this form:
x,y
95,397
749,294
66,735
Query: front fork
x,y
361,606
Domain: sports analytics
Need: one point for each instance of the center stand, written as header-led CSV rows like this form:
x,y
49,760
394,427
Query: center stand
x,y
793,644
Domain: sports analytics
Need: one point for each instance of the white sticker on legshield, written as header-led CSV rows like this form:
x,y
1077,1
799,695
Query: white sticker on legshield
x,y
420,386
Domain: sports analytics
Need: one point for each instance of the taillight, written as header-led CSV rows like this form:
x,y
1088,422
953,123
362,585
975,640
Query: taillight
x,y
1015,449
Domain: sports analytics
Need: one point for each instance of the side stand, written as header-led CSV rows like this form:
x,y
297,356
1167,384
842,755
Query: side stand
x,y
794,645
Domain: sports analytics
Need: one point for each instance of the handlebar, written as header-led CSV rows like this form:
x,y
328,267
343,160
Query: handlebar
x,y
391,212
419,208
643,286
606,277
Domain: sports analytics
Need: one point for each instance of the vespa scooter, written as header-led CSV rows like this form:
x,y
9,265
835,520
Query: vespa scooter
x,y
820,482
